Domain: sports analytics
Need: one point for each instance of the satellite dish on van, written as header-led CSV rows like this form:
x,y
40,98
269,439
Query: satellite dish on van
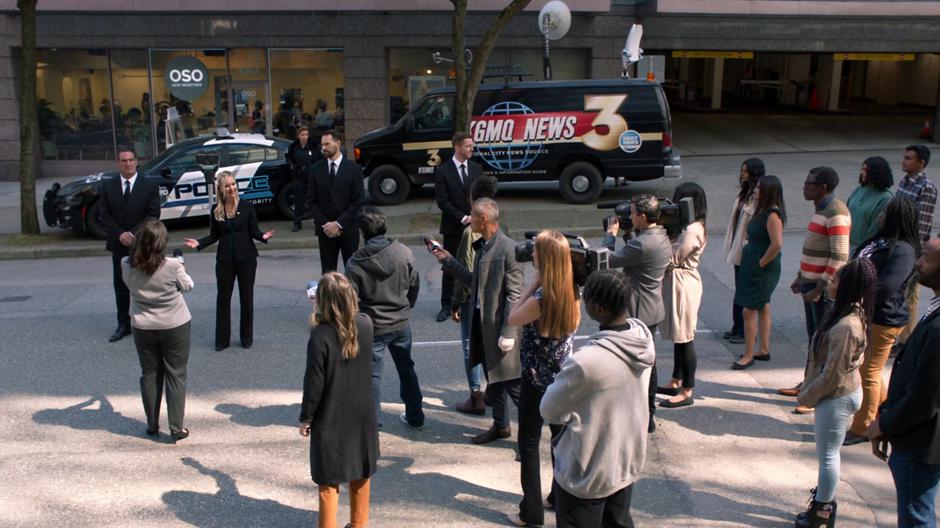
x,y
632,52
554,22
554,19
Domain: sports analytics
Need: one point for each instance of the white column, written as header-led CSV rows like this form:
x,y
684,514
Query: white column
x,y
718,69
835,83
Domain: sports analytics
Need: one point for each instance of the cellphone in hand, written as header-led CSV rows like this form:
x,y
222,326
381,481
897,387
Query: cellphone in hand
x,y
432,244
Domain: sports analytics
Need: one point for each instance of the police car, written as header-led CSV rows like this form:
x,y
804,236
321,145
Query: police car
x,y
258,163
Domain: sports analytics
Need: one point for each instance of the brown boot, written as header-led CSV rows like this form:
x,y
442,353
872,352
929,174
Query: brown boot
x,y
473,405
492,434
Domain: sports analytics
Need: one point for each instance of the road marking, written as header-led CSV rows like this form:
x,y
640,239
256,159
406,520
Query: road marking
x,y
457,341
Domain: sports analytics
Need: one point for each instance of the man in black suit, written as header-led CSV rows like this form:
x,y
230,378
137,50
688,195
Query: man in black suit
x,y
910,418
452,181
334,195
124,202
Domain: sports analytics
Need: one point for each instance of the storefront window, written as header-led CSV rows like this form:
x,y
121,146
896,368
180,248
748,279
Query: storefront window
x,y
249,70
412,71
199,111
306,90
74,105
131,105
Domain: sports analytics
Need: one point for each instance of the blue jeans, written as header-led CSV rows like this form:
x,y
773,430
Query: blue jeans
x,y
916,483
399,345
813,310
831,420
473,374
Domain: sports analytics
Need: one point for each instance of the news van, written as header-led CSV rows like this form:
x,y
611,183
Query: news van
x,y
578,133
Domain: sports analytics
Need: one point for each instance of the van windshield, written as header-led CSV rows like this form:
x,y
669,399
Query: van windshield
x,y
435,112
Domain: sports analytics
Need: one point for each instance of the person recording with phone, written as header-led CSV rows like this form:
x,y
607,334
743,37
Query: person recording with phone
x,y
644,259
161,325
495,285
234,224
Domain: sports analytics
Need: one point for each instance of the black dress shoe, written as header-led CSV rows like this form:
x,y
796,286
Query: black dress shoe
x,y
742,366
295,228
668,391
762,357
443,315
120,333
246,344
220,347
736,339
179,435
153,432
491,435
669,404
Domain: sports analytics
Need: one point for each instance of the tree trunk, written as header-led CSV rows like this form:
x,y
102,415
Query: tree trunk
x,y
29,219
467,86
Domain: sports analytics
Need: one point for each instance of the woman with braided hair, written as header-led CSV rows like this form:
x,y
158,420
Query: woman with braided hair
x,y
600,396
832,384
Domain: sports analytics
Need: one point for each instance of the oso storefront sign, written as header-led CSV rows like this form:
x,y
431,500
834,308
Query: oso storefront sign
x,y
187,78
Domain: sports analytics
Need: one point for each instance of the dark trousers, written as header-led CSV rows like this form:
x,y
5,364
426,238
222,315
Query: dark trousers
x,y
916,483
163,356
496,390
684,363
737,311
609,512
122,297
530,434
812,310
451,244
226,273
330,248
409,390
300,199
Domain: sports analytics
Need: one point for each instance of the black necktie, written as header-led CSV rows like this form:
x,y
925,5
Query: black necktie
x,y
332,173
127,190
463,175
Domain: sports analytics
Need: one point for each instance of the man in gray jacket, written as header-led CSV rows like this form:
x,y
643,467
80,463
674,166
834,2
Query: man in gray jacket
x,y
384,274
644,259
495,284
598,397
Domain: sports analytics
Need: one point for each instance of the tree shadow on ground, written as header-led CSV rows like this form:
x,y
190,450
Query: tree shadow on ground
x,y
682,500
82,416
228,508
714,421
263,416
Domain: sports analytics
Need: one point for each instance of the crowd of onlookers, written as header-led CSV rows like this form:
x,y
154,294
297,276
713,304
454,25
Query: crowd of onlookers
x,y
860,267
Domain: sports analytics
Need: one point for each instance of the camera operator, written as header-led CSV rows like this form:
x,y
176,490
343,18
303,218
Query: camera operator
x,y
495,285
644,259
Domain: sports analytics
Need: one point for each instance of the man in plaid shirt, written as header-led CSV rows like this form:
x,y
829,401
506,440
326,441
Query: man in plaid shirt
x,y
916,187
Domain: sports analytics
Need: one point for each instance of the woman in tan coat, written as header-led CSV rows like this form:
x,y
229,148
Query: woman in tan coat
x,y
682,295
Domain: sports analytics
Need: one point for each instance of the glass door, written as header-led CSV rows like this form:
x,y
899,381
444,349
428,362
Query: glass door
x,y
251,108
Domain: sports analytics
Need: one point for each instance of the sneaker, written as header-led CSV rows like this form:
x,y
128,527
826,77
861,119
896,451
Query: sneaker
x,y
405,421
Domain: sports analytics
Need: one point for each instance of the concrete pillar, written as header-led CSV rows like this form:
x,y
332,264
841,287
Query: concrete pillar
x,y
835,84
718,70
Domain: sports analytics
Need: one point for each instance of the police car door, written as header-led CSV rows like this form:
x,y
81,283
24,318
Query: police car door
x,y
189,196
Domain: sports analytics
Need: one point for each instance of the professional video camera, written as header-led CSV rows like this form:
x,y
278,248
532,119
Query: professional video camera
x,y
584,259
673,217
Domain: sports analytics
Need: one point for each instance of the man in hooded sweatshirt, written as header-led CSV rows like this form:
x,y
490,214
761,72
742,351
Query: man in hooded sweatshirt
x,y
600,398
384,274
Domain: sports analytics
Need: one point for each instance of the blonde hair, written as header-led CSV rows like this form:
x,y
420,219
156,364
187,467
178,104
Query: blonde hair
x,y
219,211
560,311
337,305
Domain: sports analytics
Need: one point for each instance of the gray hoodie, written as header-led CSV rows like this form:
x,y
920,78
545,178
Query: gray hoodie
x,y
384,274
600,395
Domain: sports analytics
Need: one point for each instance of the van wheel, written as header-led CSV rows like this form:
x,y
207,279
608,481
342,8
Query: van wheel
x,y
389,185
285,201
92,224
580,183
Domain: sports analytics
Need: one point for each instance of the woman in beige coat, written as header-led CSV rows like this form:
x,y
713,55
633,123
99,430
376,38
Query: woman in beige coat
x,y
682,295
745,206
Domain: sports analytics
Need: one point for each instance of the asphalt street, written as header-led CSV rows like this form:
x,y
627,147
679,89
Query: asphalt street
x,y
73,452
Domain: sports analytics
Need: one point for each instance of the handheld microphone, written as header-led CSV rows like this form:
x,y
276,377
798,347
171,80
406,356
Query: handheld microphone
x,y
178,255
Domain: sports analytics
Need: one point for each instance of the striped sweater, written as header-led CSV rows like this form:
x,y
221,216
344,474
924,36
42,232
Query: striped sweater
x,y
826,248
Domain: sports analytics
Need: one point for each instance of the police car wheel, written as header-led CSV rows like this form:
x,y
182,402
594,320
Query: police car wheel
x,y
388,185
285,201
580,183
92,225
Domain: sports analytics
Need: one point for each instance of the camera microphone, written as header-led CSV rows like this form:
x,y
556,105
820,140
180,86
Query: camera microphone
x,y
178,255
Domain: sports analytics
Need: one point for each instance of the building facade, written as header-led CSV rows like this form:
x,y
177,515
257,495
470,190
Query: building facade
x,y
112,74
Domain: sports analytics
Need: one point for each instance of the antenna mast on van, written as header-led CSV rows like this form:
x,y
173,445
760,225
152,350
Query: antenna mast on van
x,y
632,52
